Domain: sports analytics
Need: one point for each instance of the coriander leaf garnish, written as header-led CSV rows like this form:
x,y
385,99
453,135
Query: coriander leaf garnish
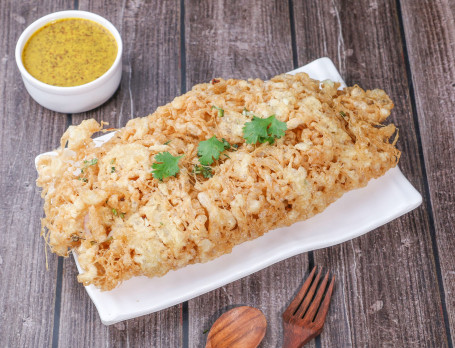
x,y
114,211
263,129
220,110
167,142
112,169
342,113
209,149
276,128
256,130
205,171
166,165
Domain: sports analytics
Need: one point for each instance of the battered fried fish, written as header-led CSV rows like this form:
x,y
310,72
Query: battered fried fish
x,y
104,203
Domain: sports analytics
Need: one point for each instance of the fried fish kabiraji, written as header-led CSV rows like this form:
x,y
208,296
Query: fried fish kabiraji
x,y
219,165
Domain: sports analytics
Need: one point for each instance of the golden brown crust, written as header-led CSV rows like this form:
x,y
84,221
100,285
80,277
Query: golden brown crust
x,y
122,222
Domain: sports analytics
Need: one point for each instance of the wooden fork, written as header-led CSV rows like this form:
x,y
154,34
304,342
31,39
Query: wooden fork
x,y
304,319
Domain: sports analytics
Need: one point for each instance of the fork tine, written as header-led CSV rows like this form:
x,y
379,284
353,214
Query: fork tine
x,y
322,313
308,297
298,298
309,315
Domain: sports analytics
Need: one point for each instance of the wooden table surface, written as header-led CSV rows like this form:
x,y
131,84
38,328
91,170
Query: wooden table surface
x,y
395,285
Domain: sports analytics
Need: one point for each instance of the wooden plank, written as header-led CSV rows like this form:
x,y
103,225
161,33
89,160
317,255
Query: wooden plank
x,y
151,77
27,289
242,40
386,291
236,39
430,36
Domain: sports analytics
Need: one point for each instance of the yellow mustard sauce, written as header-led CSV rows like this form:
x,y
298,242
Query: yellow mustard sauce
x,y
69,52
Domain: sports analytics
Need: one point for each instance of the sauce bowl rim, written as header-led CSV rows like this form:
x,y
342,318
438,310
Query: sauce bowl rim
x,y
41,22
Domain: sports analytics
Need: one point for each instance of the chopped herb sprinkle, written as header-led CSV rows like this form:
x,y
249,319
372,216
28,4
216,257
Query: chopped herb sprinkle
x,y
205,171
247,113
92,162
220,110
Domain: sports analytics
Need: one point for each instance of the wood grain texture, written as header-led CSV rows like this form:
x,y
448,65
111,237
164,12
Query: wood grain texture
x,y
387,291
236,39
239,327
430,36
27,289
80,325
304,318
151,77
240,40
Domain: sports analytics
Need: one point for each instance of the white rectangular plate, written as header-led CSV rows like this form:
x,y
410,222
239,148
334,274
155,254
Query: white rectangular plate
x,y
354,214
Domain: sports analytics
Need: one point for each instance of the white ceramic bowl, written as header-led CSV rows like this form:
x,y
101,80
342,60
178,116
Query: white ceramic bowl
x,y
78,98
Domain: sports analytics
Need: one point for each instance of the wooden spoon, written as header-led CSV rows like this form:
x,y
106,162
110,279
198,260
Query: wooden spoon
x,y
241,327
